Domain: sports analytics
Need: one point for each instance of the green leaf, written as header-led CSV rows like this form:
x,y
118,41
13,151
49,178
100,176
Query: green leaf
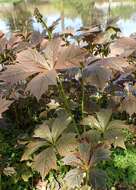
x,y
98,179
67,144
31,148
44,162
26,175
74,178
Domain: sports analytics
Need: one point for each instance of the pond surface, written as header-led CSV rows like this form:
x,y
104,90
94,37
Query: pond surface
x,y
74,14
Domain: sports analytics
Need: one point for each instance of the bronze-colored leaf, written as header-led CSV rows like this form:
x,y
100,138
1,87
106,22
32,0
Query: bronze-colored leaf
x,y
104,117
98,179
96,76
35,38
100,154
70,56
112,63
39,84
18,72
128,104
43,131
124,47
91,121
31,148
59,125
115,136
92,136
32,58
44,162
84,152
74,178
52,129
67,144
72,160
51,52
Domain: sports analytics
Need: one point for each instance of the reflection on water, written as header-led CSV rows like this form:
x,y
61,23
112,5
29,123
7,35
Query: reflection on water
x,y
73,13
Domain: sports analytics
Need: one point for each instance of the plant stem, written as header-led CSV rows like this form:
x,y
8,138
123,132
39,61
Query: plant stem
x,y
46,27
40,19
83,94
87,178
0,183
66,103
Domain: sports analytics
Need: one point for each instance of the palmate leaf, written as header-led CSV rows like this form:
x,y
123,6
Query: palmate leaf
x,y
4,105
74,178
71,56
98,179
60,124
85,153
103,125
52,129
39,84
128,104
111,63
31,148
116,137
104,117
48,137
35,38
100,154
33,58
124,47
52,51
42,66
91,136
91,121
100,121
45,161
72,160
43,131
67,144
114,133
80,158
96,76
16,73
85,160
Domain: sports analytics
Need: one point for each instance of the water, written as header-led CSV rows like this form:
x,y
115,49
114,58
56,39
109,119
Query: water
x,y
73,13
